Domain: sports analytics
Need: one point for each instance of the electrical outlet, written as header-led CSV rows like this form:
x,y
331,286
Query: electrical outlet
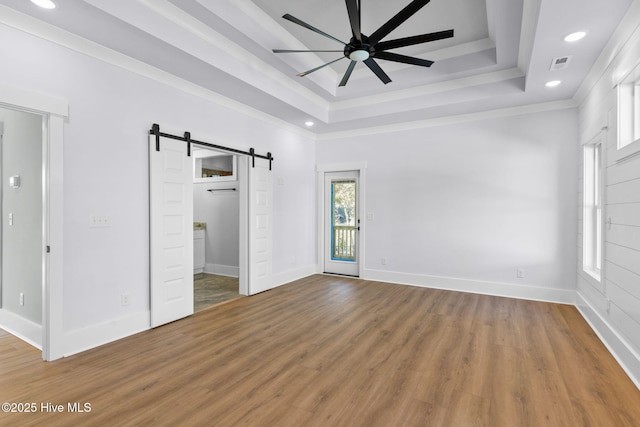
x,y
21,299
125,299
99,221
383,261
520,273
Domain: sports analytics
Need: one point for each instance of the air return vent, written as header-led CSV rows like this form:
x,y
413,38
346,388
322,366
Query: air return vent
x,y
560,63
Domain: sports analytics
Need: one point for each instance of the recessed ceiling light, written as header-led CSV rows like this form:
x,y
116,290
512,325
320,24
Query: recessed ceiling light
x,y
553,83
574,37
45,4
309,123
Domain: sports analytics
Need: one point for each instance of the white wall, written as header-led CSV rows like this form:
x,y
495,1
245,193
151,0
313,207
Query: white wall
x,y
22,241
464,206
612,305
106,173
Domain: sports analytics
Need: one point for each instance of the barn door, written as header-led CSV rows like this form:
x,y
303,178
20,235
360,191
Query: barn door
x,y
171,230
260,227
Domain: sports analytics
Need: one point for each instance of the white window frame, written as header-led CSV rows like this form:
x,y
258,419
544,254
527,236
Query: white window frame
x,y
628,115
593,208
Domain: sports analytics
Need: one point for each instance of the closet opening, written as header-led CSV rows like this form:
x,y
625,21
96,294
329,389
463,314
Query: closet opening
x,y
217,191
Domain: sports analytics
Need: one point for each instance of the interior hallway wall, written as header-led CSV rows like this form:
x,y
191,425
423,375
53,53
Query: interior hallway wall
x,y
22,235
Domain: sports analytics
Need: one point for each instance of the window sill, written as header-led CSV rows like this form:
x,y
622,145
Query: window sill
x,y
593,274
628,151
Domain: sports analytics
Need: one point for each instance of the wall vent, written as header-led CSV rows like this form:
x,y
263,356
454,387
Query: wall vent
x,y
560,63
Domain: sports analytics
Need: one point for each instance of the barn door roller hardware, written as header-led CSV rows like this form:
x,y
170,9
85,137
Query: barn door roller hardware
x,y
155,130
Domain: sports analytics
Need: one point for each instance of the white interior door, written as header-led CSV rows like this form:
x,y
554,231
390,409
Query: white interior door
x,y
171,232
341,223
260,227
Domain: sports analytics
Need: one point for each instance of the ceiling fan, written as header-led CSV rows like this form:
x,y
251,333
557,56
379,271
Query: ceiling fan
x,y
362,48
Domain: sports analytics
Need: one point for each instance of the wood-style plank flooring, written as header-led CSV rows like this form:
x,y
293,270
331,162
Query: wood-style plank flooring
x,y
332,351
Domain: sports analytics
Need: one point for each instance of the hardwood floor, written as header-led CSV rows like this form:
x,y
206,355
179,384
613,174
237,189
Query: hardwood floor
x,y
332,351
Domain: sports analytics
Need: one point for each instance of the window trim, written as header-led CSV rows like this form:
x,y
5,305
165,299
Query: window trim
x,y
593,206
628,116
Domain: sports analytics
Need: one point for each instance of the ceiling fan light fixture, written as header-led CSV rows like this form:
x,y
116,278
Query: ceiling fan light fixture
x,y
574,37
45,4
359,55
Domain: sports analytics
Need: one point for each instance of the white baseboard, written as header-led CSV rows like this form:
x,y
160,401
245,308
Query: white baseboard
x,y
285,277
28,331
222,270
103,333
534,293
617,345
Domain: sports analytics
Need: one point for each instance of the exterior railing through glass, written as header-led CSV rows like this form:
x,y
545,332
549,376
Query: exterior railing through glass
x,y
344,243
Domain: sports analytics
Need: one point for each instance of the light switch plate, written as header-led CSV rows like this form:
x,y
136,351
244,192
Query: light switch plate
x,y
14,181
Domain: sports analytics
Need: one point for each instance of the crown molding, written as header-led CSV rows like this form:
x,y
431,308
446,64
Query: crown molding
x,y
618,42
53,34
257,71
451,120
430,89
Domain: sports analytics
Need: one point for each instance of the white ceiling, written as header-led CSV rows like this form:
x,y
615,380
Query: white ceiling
x,y
500,56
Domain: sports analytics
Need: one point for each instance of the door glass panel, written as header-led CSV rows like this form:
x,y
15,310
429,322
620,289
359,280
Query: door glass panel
x,y
343,224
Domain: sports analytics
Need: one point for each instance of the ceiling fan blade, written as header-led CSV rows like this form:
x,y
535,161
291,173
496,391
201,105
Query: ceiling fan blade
x,y
347,74
353,10
408,41
373,66
394,22
389,56
310,27
294,51
317,68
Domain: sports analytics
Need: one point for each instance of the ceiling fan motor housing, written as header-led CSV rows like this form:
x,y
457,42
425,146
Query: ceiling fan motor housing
x,y
357,51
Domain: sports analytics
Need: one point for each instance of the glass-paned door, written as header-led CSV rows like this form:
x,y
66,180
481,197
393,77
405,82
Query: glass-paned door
x,y
342,223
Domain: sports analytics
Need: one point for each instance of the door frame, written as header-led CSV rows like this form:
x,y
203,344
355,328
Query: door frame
x,y
53,111
333,265
242,179
321,170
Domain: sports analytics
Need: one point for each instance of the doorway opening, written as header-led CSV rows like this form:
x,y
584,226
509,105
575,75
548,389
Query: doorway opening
x,y
23,227
52,112
216,218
